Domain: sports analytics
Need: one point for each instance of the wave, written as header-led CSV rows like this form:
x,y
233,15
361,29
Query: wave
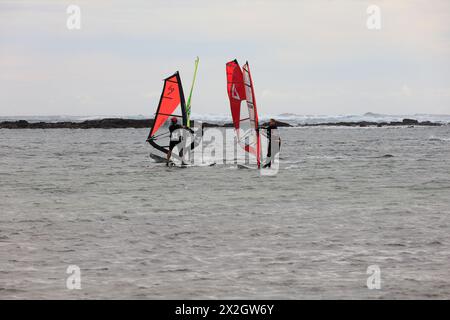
x,y
222,118
433,138
313,119
369,117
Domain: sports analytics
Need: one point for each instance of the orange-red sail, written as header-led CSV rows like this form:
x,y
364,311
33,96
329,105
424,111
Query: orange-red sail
x,y
171,104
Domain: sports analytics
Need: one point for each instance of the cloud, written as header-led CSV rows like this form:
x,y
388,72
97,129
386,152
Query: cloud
x,y
406,91
316,56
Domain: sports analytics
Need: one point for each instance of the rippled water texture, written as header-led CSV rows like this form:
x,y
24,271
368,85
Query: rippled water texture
x,y
344,199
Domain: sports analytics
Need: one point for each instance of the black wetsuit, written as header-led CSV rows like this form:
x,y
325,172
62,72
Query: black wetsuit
x,y
269,147
172,128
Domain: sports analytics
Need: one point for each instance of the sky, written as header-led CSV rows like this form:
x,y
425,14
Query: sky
x,y
313,57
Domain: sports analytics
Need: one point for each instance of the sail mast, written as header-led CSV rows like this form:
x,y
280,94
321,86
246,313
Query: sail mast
x,y
188,106
253,111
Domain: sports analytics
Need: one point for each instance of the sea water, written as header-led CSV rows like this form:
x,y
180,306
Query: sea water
x,y
345,201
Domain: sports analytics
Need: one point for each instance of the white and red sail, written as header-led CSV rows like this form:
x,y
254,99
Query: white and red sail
x,y
245,118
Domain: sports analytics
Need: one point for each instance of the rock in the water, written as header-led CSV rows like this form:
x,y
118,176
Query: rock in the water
x,y
278,123
410,121
22,123
113,123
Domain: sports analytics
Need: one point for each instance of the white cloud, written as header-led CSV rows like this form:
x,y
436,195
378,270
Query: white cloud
x,y
406,91
316,56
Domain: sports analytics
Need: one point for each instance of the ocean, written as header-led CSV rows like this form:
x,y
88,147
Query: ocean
x,y
292,118
344,202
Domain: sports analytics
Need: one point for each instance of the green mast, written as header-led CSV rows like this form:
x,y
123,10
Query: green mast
x,y
188,105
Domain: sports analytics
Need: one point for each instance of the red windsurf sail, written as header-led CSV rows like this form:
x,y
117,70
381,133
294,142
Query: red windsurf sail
x,y
245,120
172,98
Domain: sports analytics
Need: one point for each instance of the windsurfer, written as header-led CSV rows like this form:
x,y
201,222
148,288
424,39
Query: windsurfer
x,y
175,137
272,135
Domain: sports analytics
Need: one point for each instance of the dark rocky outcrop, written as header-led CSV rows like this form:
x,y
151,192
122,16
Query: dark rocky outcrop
x,y
113,123
279,124
119,123
410,121
403,123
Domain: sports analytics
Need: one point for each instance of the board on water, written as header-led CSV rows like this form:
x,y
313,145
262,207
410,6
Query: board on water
x,y
189,165
208,164
245,167
157,158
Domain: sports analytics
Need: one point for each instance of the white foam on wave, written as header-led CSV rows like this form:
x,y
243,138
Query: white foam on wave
x,y
433,138
369,117
292,167
222,118
314,119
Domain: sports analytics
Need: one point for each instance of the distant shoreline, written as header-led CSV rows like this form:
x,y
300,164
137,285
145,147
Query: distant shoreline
x,y
120,123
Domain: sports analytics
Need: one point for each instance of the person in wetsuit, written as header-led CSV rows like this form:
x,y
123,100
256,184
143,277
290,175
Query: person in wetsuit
x,y
272,127
174,138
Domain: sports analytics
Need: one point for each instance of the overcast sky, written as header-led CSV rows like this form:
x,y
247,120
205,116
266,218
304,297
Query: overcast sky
x,y
306,57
